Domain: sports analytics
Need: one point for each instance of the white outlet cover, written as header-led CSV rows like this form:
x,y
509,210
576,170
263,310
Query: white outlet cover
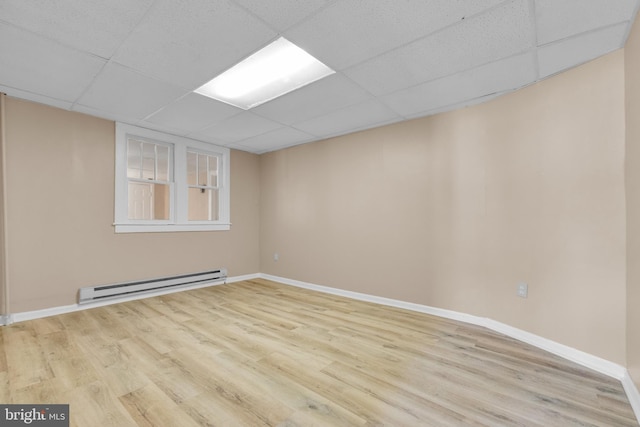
x,y
523,290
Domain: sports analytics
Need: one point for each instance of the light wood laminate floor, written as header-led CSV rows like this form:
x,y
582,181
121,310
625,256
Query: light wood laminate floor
x,y
259,353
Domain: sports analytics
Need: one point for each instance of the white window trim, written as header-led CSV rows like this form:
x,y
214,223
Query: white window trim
x,y
179,189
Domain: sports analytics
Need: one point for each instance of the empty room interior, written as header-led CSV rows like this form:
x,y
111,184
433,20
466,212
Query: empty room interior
x,y
437,223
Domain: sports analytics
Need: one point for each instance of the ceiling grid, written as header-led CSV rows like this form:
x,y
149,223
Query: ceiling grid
x,y
139,62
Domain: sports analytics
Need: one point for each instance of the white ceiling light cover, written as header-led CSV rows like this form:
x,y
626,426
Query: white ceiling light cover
x,y
269,73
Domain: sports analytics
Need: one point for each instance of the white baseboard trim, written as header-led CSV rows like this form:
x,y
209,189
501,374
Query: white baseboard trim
x,y
590,361
632,393
242,278
5,320
587,360
53,311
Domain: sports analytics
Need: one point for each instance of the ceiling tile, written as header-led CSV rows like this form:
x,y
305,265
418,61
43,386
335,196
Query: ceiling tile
x,y
560,19
163,127
282,14
242,126
237,147
93,26
115,116
350,31
316,99
119,90
500,76
190,42
41,66
274,140
349,119
35,97
193,113
561,55
452,107
500,33
166,129
214,141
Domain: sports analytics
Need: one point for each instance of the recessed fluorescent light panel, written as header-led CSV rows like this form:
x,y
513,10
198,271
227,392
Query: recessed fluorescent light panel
x,y
269,73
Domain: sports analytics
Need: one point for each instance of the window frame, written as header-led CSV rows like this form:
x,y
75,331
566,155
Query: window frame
x,y
178,189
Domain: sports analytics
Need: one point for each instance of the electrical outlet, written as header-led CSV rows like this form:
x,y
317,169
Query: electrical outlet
x,y
523,290
276,257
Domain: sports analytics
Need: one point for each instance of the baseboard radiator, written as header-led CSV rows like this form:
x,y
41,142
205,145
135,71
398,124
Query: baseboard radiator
x,y
121,290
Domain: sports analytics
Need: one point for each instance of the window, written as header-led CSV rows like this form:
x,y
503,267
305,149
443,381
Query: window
x,y
202,178
169,183
149,180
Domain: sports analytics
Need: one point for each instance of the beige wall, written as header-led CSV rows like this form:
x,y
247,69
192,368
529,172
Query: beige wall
x,y
454,210
3,264
60,213
632,169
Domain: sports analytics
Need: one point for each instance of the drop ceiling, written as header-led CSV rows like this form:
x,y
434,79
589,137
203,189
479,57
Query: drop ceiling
x,y
139,62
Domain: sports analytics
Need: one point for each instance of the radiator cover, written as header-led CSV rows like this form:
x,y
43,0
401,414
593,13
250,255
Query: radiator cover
x,y
120,290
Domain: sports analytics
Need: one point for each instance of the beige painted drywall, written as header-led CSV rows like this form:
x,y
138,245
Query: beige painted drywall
x,y
60,213
3,264
632,171
454,210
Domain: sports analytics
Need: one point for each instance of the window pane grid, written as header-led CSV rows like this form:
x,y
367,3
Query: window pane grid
x,y
202,170
147,161
203,190
149,181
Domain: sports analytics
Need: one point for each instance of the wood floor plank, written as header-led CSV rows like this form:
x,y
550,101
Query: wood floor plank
x,y
150,406
47,325
309,408
4,387
350,398
259,353
206,410
25,359
122,378
3,356
174,310
100,349
94,405
46,391
237,397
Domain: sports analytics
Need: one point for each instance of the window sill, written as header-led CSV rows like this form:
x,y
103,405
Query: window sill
x,y
167,228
